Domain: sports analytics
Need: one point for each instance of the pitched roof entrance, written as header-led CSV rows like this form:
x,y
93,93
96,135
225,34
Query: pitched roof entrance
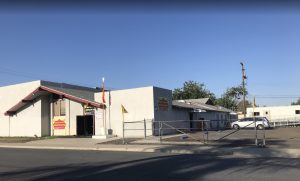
x,y
44,90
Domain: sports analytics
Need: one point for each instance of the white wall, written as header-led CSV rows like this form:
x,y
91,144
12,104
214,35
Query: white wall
x,y
139,104
26,122
73,109
276,113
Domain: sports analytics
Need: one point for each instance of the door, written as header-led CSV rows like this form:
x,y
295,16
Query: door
x,y
85,125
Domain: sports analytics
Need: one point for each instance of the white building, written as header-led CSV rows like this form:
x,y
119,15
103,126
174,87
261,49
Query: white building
x,y
42,108
274,113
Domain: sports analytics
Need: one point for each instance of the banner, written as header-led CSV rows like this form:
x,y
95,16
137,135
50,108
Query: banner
x,y
59,122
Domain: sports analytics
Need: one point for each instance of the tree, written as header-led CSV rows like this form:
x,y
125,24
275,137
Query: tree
x,y
296,103
193,90
231,99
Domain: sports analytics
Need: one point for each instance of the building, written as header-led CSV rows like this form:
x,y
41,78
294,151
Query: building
x,y
145,103
217,117
276,113
42,108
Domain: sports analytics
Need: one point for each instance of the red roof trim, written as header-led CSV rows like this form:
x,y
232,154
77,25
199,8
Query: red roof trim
x,y
27,99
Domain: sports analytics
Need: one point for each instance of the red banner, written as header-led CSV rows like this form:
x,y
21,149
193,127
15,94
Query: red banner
x,y
59,124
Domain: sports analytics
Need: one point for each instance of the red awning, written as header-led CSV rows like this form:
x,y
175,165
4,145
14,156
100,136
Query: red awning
x,y
44,90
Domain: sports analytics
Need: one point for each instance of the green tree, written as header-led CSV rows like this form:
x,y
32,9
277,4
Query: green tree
x,y
296,103
193,90
231,98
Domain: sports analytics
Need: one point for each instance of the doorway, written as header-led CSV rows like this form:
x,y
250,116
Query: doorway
x,y
85,125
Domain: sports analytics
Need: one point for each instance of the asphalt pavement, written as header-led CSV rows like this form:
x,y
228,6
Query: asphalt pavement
x,y
28,164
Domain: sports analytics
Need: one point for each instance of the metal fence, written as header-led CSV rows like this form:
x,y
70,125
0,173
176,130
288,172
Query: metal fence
x,y
284,123
150,127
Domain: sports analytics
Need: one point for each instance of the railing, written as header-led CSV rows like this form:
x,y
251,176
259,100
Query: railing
x,y
284,123
162,128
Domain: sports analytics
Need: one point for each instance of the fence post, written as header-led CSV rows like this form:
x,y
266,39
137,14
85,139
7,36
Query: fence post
x,y
153,127
123,125
206,136
145,130
159,131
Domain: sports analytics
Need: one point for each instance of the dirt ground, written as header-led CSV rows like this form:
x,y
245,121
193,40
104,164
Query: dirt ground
x,y
17,139
288,137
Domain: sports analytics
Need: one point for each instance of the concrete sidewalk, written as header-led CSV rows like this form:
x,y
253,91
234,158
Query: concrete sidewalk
x,y
92,144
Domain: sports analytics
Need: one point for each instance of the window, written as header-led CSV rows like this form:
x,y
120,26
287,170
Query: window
x,y
297,112
256,114
258,119
59,108
249,119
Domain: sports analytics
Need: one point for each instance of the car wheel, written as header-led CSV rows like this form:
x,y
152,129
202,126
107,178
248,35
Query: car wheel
x,y
260,127
236,126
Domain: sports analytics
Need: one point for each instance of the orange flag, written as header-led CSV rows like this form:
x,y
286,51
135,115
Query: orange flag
x,y
103,91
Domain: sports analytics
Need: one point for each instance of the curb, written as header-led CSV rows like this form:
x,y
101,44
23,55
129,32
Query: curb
x,y
231,152
125,149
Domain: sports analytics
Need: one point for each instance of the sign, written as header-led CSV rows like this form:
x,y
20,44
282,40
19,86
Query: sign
x,y
89,110
59,122
163,104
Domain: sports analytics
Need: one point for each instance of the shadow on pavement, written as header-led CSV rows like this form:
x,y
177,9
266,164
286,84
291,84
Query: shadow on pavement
x,y
169,167
179,167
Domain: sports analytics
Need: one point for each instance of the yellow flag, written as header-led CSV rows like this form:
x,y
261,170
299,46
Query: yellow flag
x,y
123,109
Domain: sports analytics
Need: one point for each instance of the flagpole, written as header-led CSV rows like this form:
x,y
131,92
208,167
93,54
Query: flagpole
x,y
254,121
103,101
109,103
123,124
123,110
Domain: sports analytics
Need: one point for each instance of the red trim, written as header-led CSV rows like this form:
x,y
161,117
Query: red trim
x,y
28,98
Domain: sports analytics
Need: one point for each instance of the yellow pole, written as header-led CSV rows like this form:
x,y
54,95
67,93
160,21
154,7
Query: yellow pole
x,y
123,124
254,120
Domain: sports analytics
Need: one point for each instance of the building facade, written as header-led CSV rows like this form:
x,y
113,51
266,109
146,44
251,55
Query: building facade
x,y
276,113
42,108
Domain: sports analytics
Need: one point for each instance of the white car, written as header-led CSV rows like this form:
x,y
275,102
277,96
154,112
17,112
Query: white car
x,y
261,123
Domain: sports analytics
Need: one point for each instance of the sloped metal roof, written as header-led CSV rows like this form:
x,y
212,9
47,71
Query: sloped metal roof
x,y
201,100
44,90
197,105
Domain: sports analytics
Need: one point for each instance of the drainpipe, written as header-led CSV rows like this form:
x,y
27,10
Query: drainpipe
x,y
69,117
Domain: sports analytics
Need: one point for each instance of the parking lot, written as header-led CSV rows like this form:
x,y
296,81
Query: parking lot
x,y
288,137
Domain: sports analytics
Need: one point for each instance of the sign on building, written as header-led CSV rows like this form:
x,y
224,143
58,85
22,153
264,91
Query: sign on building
x,y
59,122
163,104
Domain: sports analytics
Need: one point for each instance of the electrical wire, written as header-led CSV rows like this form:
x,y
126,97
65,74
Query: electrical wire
x,y
8,71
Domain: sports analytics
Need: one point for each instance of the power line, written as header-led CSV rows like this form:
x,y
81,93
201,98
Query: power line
x,y
7,71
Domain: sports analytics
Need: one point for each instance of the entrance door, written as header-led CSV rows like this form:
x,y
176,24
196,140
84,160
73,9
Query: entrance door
x,y
85,125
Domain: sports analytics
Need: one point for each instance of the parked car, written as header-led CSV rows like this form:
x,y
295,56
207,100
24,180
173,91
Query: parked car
x,y
261,123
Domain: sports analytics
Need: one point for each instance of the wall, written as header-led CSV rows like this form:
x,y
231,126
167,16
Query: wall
x,y
73,109
173,117
139,104
217,120
46,119
276,113
26,122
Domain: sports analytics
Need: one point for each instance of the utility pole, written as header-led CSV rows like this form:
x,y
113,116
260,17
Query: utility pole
x,y
244,77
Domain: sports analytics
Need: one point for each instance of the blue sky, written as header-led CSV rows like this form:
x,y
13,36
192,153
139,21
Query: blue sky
x,y
162,48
